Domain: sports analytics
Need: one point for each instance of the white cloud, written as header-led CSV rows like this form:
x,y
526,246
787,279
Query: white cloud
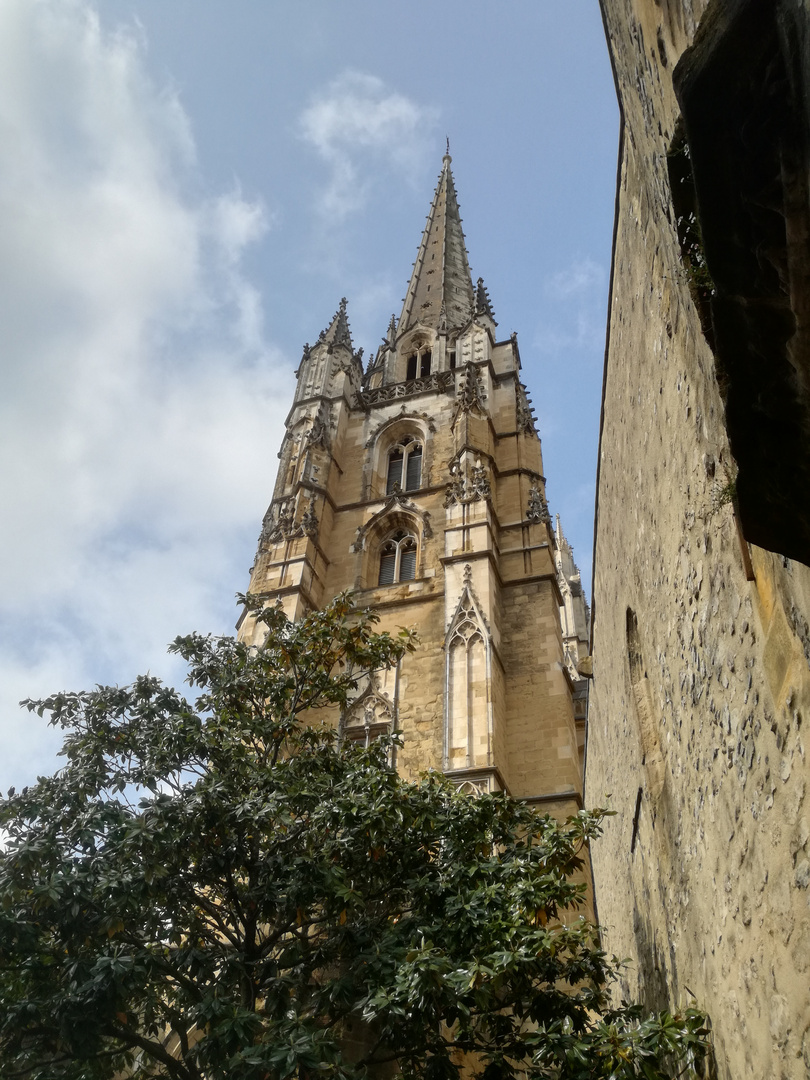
x,y
358,121
573,308
140,405
582,277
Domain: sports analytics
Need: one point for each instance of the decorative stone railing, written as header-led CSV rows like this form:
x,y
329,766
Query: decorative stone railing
x,y
438,381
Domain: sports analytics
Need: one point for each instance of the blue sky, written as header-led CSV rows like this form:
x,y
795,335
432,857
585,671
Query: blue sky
x,y
187,189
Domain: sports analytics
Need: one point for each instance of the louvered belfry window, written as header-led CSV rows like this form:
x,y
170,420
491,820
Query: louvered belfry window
x,y
388,563
413,473
407,559
398,559
404,466
395,459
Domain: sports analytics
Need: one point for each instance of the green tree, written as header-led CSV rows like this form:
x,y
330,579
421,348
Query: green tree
x,y
216,889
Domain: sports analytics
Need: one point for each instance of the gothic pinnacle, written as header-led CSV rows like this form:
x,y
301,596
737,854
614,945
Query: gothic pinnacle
x,y
338,332
483,304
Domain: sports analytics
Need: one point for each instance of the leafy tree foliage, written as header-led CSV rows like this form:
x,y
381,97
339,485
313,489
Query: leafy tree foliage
x,y
216,889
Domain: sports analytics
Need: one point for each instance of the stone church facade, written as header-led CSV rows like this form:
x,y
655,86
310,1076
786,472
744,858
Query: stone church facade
x,y
700,699
417,481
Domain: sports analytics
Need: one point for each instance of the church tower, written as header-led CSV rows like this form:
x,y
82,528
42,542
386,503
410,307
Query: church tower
x,y
417,481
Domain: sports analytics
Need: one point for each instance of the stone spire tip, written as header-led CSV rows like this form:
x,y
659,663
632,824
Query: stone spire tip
x,y
441,274
338,332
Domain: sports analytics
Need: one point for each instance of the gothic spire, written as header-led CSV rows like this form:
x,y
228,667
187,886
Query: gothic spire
x,y
338,332
441,283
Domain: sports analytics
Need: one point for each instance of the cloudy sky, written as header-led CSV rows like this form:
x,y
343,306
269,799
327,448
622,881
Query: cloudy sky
x,y
187,189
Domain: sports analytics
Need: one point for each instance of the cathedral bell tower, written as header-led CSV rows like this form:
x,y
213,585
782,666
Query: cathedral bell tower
x,y
418,482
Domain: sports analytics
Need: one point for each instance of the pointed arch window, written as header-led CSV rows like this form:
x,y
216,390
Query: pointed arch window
x,y
468,689
398,558
467,693
404,465
369,719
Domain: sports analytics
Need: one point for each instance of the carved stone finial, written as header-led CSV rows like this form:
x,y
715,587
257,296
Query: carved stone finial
x,y
338,332
456,487
479,485
538,508
471,395
398,496
281,524
318,434
309,522
278,527
483,305
524,413
464,487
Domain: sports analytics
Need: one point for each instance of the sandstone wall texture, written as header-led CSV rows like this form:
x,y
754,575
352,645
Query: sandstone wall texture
x,y
700,701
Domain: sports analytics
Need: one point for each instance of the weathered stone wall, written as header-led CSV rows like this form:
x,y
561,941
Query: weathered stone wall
x,y
701,687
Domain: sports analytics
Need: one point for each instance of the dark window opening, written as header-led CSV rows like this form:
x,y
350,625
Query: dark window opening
x,y
452,355
424,368
411,369
695,270
743,94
